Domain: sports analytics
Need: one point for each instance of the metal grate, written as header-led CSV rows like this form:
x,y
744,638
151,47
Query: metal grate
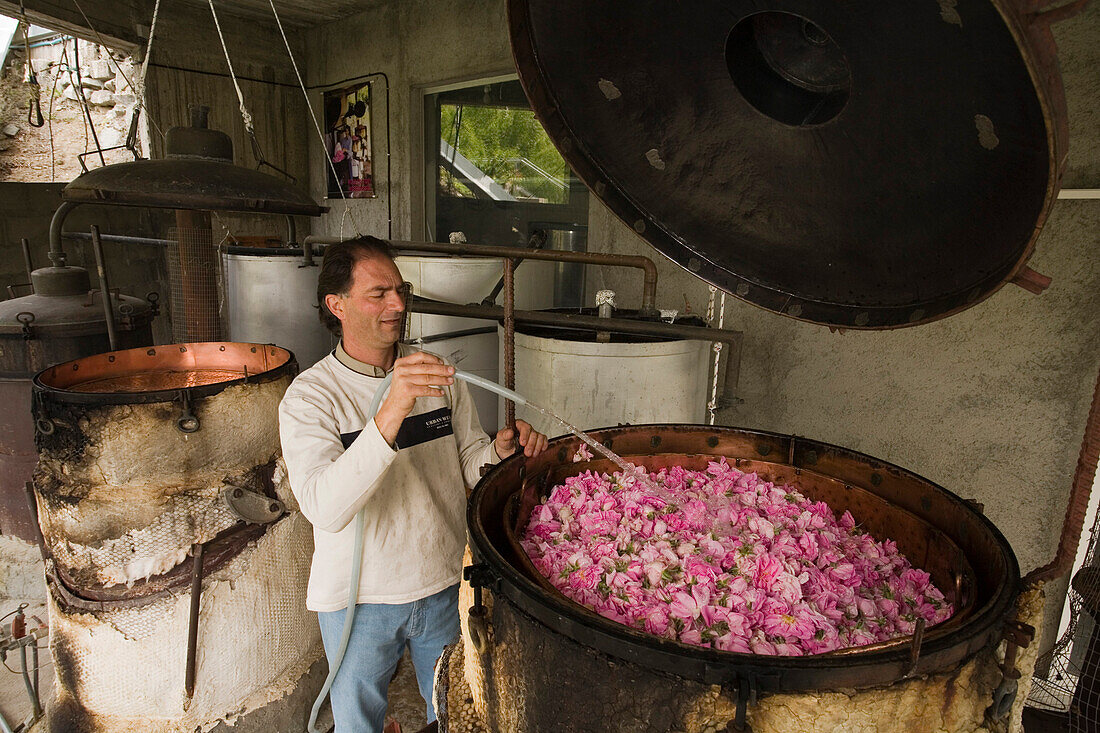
x,y
197,284
1067,677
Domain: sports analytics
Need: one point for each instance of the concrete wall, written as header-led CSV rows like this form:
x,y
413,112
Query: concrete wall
x,y
990,403
416,43
200,76
26,210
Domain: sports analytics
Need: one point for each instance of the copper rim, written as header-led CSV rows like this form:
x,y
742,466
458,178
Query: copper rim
x,y
159,373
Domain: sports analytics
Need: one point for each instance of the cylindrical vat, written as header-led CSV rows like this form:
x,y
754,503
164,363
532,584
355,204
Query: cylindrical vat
x,y
591,383
138,450
61,320
272,298
550,664
469,343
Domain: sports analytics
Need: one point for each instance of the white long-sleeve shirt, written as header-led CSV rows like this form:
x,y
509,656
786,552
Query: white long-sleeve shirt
x,y
414,495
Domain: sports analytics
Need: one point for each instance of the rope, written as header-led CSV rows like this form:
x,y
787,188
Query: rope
x,y
716,347
317,126
245,114
35,102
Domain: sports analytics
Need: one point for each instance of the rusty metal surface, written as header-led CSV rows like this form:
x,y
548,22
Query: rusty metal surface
x,y
158,373
17,459
913,202
931,526
1079,495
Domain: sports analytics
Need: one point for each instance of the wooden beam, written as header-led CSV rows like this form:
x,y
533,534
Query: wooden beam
x,y
115,20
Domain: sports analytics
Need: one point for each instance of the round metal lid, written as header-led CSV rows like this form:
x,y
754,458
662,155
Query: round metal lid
x,y
190,183
859,164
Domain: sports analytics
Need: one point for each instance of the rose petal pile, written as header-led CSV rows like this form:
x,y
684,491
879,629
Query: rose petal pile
x,y
724,559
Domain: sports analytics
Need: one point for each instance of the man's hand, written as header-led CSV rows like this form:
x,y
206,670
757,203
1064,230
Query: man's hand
x,y
533,441
415,375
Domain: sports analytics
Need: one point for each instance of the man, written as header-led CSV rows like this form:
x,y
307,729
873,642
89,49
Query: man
x,y
409,468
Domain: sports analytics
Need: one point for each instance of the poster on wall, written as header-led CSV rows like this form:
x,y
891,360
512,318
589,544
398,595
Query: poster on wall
x,y
347,137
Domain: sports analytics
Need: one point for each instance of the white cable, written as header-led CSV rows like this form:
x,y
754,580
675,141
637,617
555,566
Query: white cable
x,y
245,114
317,126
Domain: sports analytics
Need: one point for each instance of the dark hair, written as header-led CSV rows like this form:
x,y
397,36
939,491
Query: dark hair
x,y
336,271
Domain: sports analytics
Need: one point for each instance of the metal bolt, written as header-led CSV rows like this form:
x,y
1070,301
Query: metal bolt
x,y
274,507
237,493
655,441
712,441
876,479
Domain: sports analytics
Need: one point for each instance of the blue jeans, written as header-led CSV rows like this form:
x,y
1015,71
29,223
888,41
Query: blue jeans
x,y
378,638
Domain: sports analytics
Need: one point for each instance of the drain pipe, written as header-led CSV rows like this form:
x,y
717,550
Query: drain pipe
x,y
357,551
1078,499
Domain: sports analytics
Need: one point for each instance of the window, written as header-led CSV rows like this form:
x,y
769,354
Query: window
x,y
494,175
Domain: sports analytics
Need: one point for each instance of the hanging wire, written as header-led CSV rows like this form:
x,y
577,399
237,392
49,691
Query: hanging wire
x,y
87,109
139,93
317,126
245,114
63,63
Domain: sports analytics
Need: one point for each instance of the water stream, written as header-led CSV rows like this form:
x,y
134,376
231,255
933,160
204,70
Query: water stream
x,y
628,469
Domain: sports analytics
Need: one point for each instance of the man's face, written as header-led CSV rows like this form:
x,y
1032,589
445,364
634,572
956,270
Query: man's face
x,y
373,308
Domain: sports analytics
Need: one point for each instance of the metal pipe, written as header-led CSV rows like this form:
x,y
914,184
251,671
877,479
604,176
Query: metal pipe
x,y
27,257
649,269
307,253
57,254
104,288
119,239
1078,499
454,334
579,322
36,707
291,231
193,621
509,339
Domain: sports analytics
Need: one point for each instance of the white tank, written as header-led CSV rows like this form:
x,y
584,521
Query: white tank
x,y
595,385
272,299
469,280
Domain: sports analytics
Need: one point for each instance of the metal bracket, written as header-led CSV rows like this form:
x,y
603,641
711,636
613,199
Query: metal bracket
x,y
914,647
26,318
477,618
746,695
187,422
252,507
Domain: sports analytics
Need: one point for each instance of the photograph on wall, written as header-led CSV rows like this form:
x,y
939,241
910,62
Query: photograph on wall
x,y
347,137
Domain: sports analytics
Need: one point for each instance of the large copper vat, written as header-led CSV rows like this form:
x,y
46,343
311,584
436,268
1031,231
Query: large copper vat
x,y
171,608
547,663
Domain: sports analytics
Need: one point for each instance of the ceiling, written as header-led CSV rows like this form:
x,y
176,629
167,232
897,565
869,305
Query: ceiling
x,y
293,13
